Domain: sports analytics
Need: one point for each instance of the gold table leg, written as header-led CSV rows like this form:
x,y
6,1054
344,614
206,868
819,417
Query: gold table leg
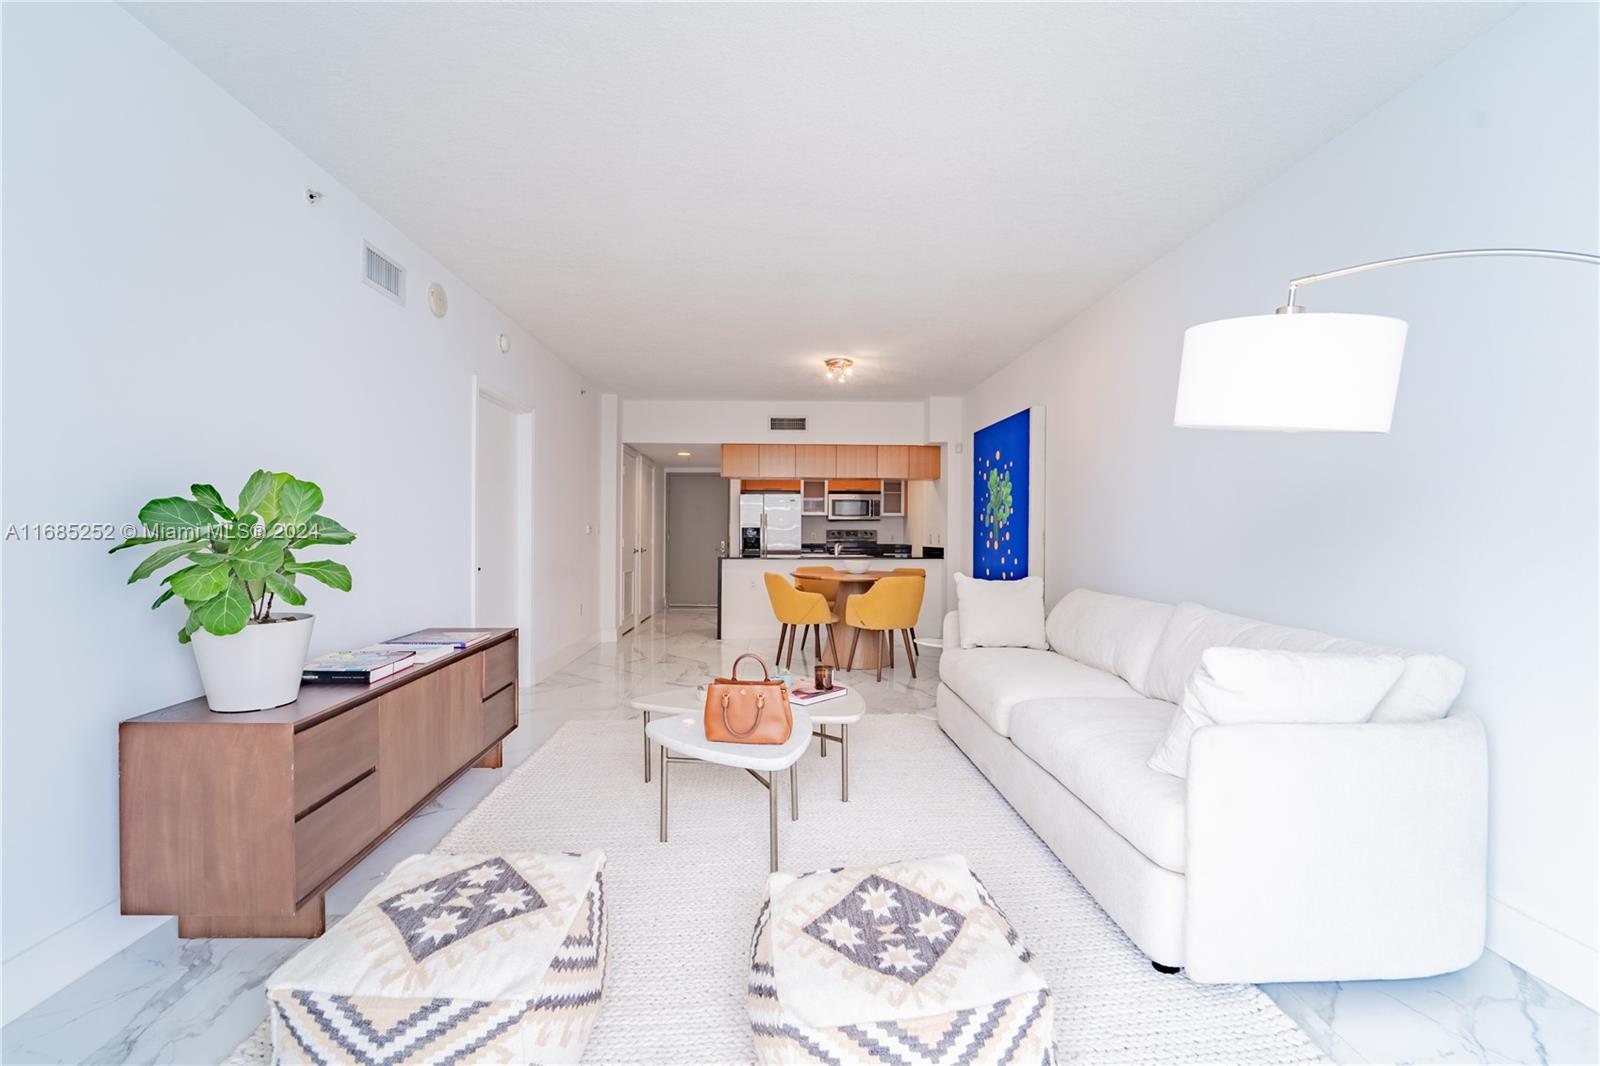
x,y
663,792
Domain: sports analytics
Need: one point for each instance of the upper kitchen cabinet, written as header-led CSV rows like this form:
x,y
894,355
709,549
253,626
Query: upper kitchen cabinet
x,y
777,460
923,461
815,460
894,461
742,460
855,460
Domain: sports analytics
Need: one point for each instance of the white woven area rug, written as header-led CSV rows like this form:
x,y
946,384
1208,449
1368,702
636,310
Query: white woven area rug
x,y
682,912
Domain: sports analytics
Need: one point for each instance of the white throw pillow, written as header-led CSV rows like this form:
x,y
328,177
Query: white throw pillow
x,y
1001,614
1235,686
1117,634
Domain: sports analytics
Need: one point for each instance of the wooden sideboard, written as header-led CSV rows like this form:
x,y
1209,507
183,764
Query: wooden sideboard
x,y
239,823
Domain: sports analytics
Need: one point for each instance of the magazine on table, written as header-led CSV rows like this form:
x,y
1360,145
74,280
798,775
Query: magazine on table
x,y
454,639
810,695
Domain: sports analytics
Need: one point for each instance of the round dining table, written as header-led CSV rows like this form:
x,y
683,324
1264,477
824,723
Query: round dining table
x,y
838,586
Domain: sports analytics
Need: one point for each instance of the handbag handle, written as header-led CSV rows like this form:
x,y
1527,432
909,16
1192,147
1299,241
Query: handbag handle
x,y
733,671
761,697
761,702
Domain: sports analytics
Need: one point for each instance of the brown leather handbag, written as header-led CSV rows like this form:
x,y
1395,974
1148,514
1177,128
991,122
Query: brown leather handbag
x,y
748,712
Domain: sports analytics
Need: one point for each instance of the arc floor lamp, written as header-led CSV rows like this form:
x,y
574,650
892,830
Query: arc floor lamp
x,y
1295,370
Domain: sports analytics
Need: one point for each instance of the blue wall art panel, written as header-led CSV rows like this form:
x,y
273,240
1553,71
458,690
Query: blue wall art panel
x,y
1000,482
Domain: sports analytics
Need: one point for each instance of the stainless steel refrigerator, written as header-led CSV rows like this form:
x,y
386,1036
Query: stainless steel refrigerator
x,y
769,523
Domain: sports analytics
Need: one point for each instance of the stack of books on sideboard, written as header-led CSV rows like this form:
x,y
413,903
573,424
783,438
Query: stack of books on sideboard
x,y
387,658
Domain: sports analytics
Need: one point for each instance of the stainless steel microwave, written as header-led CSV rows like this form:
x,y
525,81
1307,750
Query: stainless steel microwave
x,y
854,507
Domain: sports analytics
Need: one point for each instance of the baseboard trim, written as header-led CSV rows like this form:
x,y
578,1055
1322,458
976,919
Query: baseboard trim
x,y
550,662
1547,953
34,974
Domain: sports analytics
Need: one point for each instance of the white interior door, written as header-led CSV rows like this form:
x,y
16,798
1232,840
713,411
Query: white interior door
x,y
646,571
629,585
495,522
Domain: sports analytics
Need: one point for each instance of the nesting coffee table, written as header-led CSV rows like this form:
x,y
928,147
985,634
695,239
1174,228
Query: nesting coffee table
x,y
682,738
842,712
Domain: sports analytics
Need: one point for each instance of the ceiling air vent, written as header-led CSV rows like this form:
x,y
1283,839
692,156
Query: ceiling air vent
x,y
786,423
385,275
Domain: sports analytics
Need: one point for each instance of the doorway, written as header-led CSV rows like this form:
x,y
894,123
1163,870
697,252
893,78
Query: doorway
x,y
697,537
502,520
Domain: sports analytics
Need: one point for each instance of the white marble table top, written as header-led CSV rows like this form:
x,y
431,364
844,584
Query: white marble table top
x,y
686,735
846,710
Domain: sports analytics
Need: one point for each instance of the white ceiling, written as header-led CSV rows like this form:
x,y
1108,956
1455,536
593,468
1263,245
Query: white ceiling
x,y
704,200
701,456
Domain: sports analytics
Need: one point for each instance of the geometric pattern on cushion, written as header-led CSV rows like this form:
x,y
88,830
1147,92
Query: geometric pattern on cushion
x,y
515,971
903,963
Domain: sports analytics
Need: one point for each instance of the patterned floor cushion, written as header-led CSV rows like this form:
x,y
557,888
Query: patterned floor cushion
x,y
453,959
908,962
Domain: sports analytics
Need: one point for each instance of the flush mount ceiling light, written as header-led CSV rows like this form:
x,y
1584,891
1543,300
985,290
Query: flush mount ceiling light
x,y
838,369
1299,371
683,455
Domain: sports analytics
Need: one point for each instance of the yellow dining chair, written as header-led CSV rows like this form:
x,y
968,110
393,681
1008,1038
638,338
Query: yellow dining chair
x,y
795,609
914,571
892,603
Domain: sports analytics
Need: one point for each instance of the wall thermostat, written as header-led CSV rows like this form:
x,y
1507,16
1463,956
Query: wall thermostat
x,y
504,343
438,302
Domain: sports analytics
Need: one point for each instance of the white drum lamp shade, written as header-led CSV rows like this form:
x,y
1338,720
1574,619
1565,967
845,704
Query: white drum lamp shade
x,y
1300,371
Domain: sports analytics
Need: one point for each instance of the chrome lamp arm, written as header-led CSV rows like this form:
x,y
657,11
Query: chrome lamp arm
x,y
1290,307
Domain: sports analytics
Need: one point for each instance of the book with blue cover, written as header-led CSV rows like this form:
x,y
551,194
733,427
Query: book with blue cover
x,y
448,638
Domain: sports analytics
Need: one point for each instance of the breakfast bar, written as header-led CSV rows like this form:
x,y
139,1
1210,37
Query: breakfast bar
x,y
745,613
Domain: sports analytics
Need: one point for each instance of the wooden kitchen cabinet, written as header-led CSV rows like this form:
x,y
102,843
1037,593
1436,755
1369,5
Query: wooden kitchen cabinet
x,y
894,461
923,461
855,460
815,460
777,460
741,460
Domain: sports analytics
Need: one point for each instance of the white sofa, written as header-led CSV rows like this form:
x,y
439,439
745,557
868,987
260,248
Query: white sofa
x,y
1290,852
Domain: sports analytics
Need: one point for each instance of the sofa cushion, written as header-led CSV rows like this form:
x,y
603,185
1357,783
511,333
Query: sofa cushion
x,y
1241,686
1427,687
1114,633
993,680
1001,614
1097,749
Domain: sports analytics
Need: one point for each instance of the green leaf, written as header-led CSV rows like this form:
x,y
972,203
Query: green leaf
x,y
188,629
268,509
334,575
225,613
257,560
255,490
163,598
297,501
210,558
200,582
209,496
320,529
134,542
174,513
159,558
283,587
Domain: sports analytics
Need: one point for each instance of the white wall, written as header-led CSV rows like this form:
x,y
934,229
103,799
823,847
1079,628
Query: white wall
x,y
745,422
1471,528
175,312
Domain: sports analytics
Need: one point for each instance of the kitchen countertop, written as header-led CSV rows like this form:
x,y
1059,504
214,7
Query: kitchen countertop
x,y
913,557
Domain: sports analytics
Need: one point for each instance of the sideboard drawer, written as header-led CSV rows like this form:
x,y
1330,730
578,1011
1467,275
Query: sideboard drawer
x,y
499,714
499,666
333,833
330,755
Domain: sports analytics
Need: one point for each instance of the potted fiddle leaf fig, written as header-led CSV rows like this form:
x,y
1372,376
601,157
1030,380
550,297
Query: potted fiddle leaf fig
x,y
238,562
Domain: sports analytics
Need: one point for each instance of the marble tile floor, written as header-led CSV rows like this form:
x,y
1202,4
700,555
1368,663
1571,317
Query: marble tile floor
x,y
190,1002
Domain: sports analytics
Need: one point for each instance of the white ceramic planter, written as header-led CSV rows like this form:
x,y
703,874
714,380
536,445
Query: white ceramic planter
x,y
256,668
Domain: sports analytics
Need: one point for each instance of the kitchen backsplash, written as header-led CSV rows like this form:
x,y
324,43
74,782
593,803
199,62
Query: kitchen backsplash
x,y
889,530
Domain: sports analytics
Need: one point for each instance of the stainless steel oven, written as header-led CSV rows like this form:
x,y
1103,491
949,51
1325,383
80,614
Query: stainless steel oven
x,y
854,507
